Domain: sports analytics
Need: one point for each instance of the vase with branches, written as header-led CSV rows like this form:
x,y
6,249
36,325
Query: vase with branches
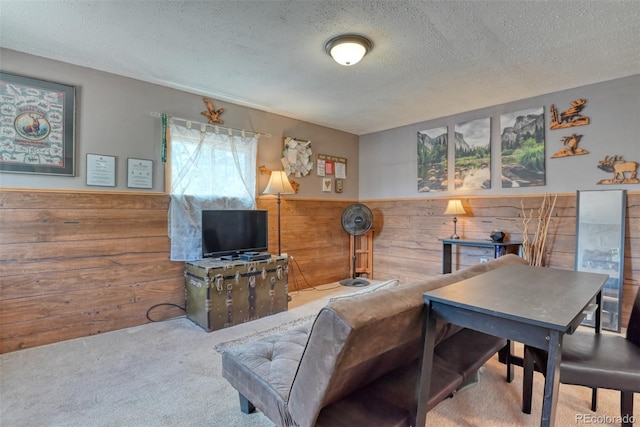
x,y
534,241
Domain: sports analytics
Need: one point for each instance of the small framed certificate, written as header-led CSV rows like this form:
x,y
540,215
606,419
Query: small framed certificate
x,y
139,173
101,170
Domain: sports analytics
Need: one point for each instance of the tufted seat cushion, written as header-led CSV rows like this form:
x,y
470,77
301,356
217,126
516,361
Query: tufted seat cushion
x,y
273,362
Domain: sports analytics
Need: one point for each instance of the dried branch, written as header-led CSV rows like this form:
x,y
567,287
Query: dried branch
x,y
533,248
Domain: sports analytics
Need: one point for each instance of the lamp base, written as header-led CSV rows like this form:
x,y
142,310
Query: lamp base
x,y
455,236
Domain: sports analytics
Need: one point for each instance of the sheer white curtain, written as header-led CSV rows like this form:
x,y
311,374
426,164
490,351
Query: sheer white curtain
x,y
209,170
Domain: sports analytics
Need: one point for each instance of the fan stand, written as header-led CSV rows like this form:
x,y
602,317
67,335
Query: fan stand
x,y
354,281
356,220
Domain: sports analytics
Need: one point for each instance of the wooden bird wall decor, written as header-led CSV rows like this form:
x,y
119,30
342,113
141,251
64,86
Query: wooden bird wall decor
x,y
212,113
570,117
570,147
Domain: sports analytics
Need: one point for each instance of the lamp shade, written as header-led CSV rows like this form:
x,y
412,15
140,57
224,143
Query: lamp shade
x,y
348,49
279,184
454,207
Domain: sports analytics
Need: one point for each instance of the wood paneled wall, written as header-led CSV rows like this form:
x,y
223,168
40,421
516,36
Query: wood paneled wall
x,y
78,264
311,232
406,244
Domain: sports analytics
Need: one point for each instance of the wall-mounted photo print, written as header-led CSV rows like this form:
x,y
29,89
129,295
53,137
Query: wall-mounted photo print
x,y
432,160
473,155
523,147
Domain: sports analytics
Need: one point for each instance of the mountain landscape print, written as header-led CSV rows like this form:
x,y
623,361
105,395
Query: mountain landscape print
x,y
473,155
523,148
432,159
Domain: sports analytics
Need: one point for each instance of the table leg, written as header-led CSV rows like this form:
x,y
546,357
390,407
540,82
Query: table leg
x,y
505,355
598,329
446,258
552,379
428,342
528,369
598,322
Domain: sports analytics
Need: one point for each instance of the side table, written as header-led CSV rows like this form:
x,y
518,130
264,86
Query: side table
x,y
499,249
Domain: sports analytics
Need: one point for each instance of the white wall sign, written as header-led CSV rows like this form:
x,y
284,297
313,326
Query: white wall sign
x,y
139,173
101,170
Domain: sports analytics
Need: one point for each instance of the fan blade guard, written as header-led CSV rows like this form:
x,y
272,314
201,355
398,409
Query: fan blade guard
x,y
357,219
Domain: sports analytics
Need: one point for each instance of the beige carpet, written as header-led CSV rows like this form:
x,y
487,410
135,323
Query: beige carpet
x,y
168,374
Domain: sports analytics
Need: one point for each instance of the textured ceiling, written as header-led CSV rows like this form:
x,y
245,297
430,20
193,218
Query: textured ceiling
x,y
429,59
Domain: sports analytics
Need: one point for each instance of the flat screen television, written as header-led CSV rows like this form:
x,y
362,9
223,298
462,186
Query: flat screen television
x,y
233,232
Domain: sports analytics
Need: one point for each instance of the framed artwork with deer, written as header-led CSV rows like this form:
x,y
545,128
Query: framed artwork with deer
x,y
37,126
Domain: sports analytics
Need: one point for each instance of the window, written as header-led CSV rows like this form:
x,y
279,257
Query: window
x,y
209,170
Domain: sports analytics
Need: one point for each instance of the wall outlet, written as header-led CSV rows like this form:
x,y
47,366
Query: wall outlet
x,y
483,260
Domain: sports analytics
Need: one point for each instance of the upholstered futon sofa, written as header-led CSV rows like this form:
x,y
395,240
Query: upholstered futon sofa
x,y
358,363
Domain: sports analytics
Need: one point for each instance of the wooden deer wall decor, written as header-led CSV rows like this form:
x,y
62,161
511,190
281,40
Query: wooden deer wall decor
x,y
619,168
570,117
212,113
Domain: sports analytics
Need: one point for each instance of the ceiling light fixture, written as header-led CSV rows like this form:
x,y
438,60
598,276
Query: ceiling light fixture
x,y
348,49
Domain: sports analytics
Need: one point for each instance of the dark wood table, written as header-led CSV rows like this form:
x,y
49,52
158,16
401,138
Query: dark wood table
x,y
499,249
531,305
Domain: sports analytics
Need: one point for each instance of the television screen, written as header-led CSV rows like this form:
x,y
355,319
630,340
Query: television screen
x,y
232,232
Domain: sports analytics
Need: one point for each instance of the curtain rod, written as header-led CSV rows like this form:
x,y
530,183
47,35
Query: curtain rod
x,y
216,127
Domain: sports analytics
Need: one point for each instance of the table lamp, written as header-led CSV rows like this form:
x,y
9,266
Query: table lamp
x,y
454,207
279,184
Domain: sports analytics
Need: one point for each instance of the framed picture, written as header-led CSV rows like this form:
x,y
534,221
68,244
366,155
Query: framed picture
x,y
139,173
101,170
326,185
332,165
37,126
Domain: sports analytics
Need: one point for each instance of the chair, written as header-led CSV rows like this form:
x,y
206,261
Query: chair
x,y
595,361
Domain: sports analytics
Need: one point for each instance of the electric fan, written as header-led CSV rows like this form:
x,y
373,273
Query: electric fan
x,y
357,219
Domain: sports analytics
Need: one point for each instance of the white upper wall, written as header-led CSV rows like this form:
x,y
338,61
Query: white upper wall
x,y
388,159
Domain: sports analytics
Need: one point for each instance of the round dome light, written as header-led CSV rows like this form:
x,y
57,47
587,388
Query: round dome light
x,y
348,49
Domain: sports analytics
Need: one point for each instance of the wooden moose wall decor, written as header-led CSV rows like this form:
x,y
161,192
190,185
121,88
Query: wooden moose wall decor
x,y
619,167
